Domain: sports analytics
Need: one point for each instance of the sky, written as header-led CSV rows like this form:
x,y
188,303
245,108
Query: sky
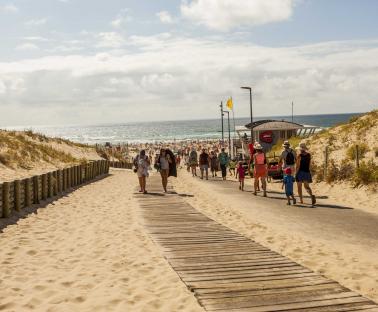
x,y
65,62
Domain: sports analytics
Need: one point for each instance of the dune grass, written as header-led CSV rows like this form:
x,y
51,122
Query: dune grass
x,y
22,149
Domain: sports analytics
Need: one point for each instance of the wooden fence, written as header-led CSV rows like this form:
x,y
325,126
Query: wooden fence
x,y
23,193
121,164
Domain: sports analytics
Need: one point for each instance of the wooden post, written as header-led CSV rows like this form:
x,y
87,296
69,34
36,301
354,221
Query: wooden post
x,y
325,163
50,183
44,186
64,180
28,201
6,208
17,195
35,190
69,178
357,156
60,181
55,182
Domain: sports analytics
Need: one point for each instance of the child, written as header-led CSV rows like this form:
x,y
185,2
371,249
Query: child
x,y
232,166
240,172
288,182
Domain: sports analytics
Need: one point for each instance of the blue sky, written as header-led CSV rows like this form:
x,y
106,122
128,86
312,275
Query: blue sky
x,y
81,61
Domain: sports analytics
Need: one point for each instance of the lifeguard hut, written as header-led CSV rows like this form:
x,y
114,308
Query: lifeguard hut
x,y
269,132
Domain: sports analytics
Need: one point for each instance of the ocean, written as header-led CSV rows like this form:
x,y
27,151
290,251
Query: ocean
x,y
169,130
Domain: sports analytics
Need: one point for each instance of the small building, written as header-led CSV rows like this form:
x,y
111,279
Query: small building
x,y
269,132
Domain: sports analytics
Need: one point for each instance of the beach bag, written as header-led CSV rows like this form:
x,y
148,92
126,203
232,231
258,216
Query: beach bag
x,y
290,159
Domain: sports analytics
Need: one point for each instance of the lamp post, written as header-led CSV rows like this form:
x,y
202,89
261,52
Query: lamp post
x,y
221,107
229,131
250,103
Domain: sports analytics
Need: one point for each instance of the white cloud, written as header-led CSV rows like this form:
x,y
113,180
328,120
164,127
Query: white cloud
x,y
224,15
165,17
27,47
9,8
109,40
36,22
166,74
122,18
36,38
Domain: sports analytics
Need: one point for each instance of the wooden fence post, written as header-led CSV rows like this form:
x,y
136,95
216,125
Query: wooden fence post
x,y
44,186
69,178
50,183
35,190
17,195
357,156
28,201
55,182
64,180
6,208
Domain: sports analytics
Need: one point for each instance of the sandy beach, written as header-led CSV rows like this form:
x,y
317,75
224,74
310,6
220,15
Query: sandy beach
x,y
88,251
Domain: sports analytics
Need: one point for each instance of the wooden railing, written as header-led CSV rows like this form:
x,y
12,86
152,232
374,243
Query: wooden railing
x,y
24,193
121,164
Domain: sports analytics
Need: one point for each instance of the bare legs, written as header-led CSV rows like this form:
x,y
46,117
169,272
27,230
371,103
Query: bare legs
x,y
142,184
256,185
164,179
308,190
194,171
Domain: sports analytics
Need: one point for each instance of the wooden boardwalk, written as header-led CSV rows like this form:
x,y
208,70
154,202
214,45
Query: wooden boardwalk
x,y
228,272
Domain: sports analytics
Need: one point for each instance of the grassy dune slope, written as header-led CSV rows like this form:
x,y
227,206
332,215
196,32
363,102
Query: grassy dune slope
x,y
23,153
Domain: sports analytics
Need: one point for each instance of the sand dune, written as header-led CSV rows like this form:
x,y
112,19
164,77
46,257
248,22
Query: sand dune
x,y
88,252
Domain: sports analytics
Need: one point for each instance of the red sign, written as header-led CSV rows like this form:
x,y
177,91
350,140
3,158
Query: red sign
x,y
266,136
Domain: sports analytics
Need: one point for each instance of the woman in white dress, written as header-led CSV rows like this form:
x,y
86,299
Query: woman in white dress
x,y
142,163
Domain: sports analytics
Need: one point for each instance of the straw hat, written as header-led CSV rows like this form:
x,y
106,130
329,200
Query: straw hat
x,y
286,144
302,146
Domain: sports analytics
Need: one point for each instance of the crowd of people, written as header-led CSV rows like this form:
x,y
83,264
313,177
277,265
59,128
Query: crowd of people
x,y
294,163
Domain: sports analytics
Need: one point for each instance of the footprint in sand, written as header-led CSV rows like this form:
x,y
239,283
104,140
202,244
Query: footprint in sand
x,y
31,252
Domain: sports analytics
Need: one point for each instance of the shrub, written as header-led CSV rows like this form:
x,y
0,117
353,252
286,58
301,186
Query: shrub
x,y
366,174
362,150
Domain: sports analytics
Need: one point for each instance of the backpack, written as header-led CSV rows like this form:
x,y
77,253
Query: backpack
x,y
290,159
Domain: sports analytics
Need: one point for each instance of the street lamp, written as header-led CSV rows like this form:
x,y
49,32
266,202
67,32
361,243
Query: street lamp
x,y
229,131
221,107
250,101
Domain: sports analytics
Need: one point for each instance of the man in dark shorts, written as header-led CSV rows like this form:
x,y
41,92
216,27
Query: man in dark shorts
x,y
204,163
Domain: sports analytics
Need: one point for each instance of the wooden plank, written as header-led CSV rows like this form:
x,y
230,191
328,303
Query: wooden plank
x,y
229,272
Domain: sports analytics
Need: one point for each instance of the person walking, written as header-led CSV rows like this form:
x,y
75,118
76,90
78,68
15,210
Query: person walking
x,y
260,169
213,164
240,172
223,161
164,160
142,164
204,160
288,157
288,183
193,161
303,176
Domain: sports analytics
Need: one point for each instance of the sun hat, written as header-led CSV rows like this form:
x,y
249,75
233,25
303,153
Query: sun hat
x,y
302,146
288,171
258,146
286,143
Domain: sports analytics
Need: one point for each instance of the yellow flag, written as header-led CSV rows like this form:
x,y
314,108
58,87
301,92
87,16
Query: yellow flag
x,y
230,105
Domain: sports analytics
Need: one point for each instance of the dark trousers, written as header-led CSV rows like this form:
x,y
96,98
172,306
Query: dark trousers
x,y
224,172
